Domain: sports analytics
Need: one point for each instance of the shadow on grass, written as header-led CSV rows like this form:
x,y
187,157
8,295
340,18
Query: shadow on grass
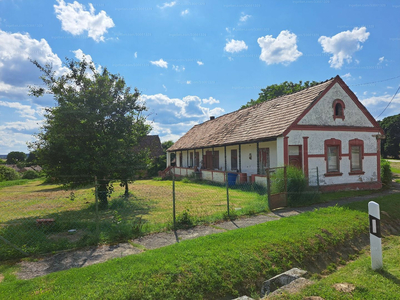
x,y
76,228
389,276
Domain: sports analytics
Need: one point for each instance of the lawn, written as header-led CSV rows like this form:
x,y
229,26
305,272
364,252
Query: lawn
x,y
218,266
395,167
148,209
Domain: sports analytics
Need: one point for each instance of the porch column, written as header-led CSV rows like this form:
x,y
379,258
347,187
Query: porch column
x,y
225,156
305,155
286,150
168,159
187,158
240,158
258,158
378,158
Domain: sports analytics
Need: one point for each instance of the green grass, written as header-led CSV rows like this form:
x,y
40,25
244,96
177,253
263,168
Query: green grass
x,y
332,196
149,209
221,265
14,182
369,284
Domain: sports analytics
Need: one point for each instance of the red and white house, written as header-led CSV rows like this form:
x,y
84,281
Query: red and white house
x,y
324,127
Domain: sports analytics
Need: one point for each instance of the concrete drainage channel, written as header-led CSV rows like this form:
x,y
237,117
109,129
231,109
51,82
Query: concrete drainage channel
x,y
284,281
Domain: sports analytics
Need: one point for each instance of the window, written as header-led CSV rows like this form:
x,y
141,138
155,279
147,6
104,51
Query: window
x,y
333,159
191,159
216,160
338,109
356,155
333,155
234,159
196,159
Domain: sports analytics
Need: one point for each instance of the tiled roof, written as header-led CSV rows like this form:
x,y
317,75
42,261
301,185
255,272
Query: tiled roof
x,y
152,143
262,121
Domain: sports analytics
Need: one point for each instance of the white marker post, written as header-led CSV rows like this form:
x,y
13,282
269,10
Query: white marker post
x,y
375,235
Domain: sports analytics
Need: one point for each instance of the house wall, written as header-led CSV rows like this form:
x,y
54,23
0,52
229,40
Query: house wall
x,y
322,112
279,152
316,154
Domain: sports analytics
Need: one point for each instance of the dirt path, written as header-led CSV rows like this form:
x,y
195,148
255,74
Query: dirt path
x,y
93,255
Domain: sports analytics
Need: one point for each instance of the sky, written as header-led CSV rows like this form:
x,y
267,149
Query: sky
x,y
192,59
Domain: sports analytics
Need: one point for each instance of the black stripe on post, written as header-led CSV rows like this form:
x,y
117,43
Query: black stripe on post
x,y
377,230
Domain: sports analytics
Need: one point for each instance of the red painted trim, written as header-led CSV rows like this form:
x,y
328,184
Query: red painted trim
x,y
357,173
338,101
378,159
351,186
305,155
333,143
371,154
360,143
316,155
286,150
351,95
334,128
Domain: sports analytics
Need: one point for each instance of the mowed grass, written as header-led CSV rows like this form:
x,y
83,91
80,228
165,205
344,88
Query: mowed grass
x,y
369,284
219,266
395,167
148,209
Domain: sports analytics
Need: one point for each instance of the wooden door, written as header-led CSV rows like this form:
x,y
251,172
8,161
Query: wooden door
x,y
263,160
295,156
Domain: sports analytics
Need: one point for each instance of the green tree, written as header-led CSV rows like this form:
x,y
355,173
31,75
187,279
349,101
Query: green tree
x,y
15,157
167,144
390,146
97,120
32,158
276,90
7,173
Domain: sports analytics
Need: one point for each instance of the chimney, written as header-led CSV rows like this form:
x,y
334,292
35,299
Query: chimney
x,y
212,117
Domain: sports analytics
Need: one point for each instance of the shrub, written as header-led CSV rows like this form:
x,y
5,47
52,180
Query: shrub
x,y
30,174
386,173
185,220
7,173
298,191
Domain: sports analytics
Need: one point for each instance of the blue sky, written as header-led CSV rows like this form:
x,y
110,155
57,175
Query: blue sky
x,y
195,58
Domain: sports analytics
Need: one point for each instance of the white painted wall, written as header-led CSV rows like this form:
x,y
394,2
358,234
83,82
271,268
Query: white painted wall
x,y
316,146
322,112
261,180
279,152
249,166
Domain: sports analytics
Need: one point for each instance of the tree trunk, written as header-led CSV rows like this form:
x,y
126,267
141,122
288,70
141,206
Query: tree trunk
x,y
126,189
102,193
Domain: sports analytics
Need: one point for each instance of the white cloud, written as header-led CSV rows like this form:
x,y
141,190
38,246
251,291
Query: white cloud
x,y
282,49
173,117
75,19
375,100
233,46
178,69
365,93
389,87
25,111
244,18
188,82
200,63
88,58
165,88
381,59
210,101
135,54
228,30
343,45
184,12
167,4
16,70
348,75
160,63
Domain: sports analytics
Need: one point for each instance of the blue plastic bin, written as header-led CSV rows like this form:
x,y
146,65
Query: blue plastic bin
x,y
232,178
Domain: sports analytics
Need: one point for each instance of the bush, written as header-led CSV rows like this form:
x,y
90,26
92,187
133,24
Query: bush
x,y
386,173
30,174
298,191
7,173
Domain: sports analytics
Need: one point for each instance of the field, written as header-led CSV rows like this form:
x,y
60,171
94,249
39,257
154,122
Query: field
x,y
148,209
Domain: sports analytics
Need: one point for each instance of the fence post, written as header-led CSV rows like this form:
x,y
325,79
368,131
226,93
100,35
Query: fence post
x,y
173,198
268,187
97,207
227,193
317,180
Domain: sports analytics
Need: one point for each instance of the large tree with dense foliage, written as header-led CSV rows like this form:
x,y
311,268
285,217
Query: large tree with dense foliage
x,y
391,144
92,129
15,157
276,90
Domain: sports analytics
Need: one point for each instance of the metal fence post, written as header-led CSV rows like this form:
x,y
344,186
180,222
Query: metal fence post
x,y
227,192
173,198
317,180
97,207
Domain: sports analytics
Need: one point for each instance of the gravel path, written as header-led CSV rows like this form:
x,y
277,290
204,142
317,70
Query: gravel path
x,y
93,255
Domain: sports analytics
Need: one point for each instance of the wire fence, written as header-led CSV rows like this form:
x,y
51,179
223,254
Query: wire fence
x,y
38,218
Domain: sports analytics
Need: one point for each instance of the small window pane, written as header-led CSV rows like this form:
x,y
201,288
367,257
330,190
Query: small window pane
x,y
338,109
355,158
234,159
333,161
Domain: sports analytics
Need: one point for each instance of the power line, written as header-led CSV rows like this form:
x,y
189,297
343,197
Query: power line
x,y
375,81
389,102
